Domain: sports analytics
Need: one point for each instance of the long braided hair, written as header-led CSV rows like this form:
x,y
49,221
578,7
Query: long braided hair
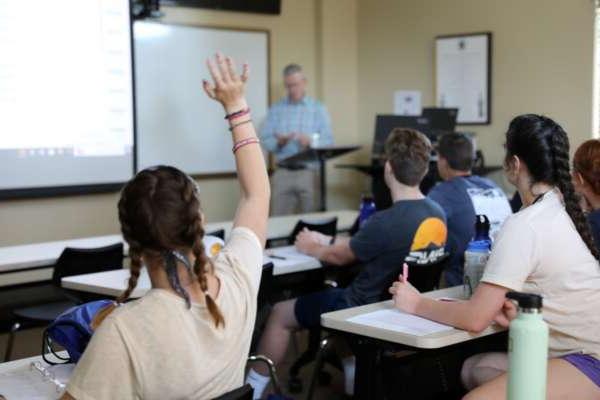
x,y
543,146
160,216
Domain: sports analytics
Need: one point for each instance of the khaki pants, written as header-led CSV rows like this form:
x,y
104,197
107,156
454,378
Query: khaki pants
x,y
293,191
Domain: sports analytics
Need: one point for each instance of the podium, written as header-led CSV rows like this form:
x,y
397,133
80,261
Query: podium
x,y
319,155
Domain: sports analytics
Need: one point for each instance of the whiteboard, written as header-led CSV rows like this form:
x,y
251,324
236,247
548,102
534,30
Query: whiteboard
x,y
177,124
463,76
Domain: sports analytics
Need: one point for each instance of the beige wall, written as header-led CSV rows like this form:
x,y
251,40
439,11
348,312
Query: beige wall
x,y
542,58
319,34
542,62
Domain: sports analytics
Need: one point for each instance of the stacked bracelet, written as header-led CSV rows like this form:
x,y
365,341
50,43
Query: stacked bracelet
x,y
245,142
238,114
232,127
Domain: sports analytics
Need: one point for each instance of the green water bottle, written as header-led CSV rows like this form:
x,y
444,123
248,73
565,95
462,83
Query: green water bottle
x,y
527,349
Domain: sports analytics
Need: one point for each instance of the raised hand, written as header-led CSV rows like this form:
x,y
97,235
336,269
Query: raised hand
x,y
227,85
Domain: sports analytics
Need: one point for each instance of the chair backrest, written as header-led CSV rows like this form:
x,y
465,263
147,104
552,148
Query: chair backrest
x,y
326,227
266,286
220,233
86,261
242,393
424,277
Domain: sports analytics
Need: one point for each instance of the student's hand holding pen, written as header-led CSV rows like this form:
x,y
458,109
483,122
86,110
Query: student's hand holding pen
x,y
404,295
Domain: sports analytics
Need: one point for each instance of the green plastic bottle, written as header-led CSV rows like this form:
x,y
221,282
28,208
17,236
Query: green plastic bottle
x,y
527,349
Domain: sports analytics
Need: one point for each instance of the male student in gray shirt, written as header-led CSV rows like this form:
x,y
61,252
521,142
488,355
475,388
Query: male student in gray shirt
x,y
414,227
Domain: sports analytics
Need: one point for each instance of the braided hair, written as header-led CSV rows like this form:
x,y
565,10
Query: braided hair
x,y
543,146
159,212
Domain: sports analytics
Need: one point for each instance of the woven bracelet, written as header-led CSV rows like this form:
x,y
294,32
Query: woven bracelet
x,y
243,143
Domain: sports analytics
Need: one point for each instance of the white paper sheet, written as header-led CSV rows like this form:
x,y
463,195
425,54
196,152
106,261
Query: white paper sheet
x,y
293,261
398,321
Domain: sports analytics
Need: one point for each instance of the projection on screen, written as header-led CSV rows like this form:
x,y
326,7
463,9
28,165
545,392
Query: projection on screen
x,y
66,105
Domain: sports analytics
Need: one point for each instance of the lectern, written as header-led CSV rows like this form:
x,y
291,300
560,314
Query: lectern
x,y
319,155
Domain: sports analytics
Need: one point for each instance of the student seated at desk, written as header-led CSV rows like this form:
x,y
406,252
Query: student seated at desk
x,y
586,177
457,193
188,337
414,227
547,249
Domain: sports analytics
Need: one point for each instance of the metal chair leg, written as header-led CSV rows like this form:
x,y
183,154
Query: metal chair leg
x,y
318,365
272,370
11,340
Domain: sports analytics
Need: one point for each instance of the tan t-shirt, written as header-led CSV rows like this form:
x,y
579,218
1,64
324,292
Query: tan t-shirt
x,y
538,250
157,348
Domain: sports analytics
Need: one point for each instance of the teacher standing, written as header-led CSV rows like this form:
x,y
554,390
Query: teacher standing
x,y
293,124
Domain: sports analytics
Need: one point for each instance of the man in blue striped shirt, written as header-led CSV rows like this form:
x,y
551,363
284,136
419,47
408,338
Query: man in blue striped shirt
x,y
294,124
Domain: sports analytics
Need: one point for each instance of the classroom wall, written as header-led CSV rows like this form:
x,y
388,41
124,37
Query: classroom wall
x,y
542,62
319,34
542,59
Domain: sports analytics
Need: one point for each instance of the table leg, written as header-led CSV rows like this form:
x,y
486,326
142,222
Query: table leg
x,y
323,183
366,380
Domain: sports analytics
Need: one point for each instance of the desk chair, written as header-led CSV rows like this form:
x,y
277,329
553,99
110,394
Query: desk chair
x,y
242,393
220,233
71,262
326,227
424,277
263,304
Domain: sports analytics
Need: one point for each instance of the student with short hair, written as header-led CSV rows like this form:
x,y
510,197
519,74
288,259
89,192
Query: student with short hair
x,y
189,336
456,193
546,249
586,178
412,228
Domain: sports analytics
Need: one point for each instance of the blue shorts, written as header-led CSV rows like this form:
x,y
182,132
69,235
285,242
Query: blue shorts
x,y
308,308
586,364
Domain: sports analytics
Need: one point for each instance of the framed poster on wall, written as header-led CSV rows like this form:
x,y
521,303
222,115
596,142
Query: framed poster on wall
x,y
463,76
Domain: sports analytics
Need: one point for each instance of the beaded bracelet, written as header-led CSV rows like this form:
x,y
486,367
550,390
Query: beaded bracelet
x,y
237,114
242,143
232,127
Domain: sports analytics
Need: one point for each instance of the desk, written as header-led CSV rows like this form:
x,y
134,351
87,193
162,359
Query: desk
x,y
33,262
113,283
368,353
337,320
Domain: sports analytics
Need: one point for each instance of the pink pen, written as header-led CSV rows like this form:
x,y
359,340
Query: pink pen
x,y
405,273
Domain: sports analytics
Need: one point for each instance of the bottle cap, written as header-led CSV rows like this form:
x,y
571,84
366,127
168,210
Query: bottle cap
x,y
526,300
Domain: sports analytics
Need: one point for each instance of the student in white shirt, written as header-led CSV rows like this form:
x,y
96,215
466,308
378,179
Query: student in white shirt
x,y
189,336
547,249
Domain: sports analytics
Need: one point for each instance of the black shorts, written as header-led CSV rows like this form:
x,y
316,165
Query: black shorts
x,y
308,308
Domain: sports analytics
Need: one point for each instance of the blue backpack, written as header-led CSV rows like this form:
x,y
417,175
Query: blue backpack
x,y
72,330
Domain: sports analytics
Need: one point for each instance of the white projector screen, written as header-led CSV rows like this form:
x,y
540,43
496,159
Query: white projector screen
x,y
177,123
66,96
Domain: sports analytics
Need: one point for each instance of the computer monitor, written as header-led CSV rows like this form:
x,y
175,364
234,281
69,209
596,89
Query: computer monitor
x,y
384,124
442,120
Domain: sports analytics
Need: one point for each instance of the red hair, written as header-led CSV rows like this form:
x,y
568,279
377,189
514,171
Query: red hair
x,y
587,162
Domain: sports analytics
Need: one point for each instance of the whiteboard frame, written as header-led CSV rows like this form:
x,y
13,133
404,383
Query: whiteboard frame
x,y
488,69
92,188
232,174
